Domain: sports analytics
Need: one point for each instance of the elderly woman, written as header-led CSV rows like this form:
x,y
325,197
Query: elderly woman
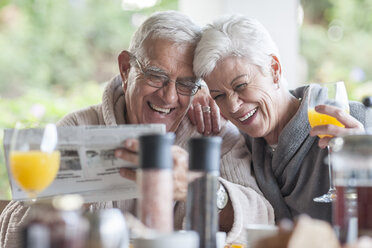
x,y
241,65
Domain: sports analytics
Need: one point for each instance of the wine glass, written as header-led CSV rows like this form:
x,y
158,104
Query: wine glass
x,y
33,158
333,94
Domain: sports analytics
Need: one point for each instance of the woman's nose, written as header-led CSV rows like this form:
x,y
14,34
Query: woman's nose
x,y
233,103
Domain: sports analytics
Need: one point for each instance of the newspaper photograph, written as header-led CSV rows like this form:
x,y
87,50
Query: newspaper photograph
x,y
88,165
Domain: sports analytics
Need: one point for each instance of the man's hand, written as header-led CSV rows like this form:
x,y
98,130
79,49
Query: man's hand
x,y
351,124
204,113
180,166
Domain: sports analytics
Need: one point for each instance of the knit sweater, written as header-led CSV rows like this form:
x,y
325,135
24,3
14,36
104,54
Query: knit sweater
x,y
247,200
295,172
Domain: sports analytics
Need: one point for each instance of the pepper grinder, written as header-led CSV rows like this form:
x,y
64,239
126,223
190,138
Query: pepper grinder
x,y
201,204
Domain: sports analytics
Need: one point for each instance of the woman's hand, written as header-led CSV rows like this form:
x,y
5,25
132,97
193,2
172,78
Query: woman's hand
x,y
351,124
204,113
180,166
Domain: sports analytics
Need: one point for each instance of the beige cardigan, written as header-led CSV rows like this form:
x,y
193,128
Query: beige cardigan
x,y
248,202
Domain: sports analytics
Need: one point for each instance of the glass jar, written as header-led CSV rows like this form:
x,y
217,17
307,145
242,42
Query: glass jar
x,y
56,223
155,180
201,204
352,167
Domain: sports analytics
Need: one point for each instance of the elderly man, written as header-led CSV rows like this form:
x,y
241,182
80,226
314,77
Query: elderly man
x,y
156,85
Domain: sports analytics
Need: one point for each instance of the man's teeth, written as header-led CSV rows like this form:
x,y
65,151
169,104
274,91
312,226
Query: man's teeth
x,y
250,113
163,110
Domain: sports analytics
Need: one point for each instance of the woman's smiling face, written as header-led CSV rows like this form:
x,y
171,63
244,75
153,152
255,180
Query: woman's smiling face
x,y
246,96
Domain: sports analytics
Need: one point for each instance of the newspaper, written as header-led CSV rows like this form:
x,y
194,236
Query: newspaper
x,y
88,165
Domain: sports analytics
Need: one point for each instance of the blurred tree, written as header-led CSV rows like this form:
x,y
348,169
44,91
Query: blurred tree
x,y
335,40
54,54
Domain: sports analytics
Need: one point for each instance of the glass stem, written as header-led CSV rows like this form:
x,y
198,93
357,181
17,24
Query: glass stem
x,y
331,183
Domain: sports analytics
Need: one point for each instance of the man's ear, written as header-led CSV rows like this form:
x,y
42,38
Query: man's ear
x,y
124,66
276,69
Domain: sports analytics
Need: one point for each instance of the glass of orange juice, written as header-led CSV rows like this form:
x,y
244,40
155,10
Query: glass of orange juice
x,y
329,94
34,160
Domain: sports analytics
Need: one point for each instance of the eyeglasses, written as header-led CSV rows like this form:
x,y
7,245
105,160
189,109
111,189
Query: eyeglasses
x,y
187,87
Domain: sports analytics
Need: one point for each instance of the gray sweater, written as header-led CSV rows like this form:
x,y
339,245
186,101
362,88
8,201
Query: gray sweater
x,y
295,172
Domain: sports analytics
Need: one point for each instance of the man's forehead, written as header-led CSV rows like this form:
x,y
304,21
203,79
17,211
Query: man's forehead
x,y
158,47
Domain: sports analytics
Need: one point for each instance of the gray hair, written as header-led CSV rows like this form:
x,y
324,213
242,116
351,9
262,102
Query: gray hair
x,y
234,35
170,25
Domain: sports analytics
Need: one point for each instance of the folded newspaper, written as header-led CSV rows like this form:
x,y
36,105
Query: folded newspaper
x,y
88,165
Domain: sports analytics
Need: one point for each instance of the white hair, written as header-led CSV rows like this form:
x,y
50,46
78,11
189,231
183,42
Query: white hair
x,y
169,25
234,35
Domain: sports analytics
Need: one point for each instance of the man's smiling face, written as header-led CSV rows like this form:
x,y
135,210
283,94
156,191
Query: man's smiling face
x,y
147,104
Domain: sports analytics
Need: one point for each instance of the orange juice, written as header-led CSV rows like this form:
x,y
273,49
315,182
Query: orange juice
x,y
317,119
34,170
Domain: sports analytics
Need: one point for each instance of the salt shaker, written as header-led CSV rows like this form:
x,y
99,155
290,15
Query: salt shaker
x,y
201,205
156,181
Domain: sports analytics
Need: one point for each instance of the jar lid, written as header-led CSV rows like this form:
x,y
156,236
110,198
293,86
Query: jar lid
x,y
205,153
155,151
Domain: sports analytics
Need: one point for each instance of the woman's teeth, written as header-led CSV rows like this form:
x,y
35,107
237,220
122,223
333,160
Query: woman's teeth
x,y
162,110
249,114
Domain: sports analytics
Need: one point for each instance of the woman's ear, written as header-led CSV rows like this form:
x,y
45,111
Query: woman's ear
x,y
276,69
124,66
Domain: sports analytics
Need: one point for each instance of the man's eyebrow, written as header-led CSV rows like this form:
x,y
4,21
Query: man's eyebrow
x,y
161,71
156,69
186,79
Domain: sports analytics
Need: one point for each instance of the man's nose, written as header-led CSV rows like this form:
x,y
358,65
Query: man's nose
x,y
170,92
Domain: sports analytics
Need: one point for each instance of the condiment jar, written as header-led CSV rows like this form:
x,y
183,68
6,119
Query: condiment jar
x,y
352,166
201,205
156,181
56,223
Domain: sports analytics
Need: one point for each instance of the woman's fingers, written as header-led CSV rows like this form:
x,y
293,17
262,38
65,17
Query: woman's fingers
x,y
341,115
351,125
330,130
206,109
190,114
199,119
323,142
204,113
216,117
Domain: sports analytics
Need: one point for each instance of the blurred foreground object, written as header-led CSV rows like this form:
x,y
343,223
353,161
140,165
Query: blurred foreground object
x,y
155,181
352,159
201,204
307,233
56,222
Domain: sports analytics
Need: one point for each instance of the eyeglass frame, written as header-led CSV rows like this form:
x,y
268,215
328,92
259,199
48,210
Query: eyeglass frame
x,y
196,88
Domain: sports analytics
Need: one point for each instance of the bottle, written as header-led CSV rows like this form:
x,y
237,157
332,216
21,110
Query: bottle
x,y
56,222
107,229
155,181
201,204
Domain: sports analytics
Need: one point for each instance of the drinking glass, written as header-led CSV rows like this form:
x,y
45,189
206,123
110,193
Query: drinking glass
x,y
34,160
333,94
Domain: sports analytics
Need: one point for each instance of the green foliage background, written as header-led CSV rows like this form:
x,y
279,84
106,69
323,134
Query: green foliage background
x,y
349,56
56,55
